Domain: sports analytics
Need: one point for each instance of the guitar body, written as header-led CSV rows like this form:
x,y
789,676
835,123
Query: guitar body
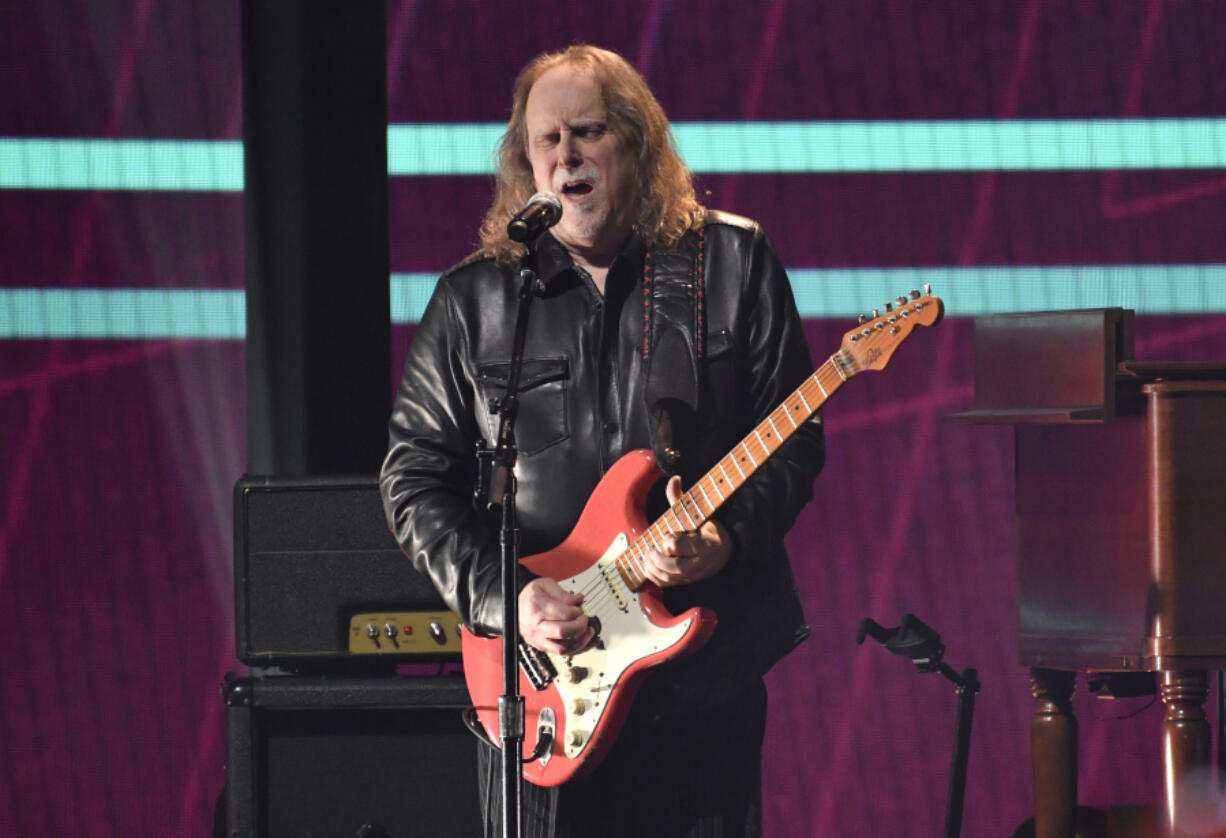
x,y
583,699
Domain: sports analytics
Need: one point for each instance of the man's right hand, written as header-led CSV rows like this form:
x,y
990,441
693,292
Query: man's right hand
x,y
551,620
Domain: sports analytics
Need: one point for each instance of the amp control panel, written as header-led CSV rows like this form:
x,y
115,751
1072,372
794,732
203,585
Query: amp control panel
x,y
404,632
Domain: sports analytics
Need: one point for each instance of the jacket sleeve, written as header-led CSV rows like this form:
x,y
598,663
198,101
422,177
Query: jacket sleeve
x,y
428,475
760,514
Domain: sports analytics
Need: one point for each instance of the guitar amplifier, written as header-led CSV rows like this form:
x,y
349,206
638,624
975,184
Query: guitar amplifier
x,y
311,757
321,584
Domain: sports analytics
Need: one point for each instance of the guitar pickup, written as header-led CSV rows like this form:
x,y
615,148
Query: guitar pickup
x,y
537,666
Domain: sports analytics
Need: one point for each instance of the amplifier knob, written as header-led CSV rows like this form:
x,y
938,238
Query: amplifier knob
x,y
438,632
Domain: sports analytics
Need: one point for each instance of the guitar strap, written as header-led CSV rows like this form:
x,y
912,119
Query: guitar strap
x,y
673,345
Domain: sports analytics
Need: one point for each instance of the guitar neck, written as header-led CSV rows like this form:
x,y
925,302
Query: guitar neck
x,y
715,487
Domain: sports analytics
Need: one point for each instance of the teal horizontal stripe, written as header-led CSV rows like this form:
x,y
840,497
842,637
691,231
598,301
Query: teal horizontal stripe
x,y
442,149
175,165
967,292
89,313
708,148
41,313
953,146
795,147
970,292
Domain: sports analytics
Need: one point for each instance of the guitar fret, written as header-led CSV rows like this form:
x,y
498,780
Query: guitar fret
x,y
633,559
788,414
837,362
623,567
749,454
637,567
693,501
676,521
732,483
691,527
761,441
715,486
627,570
773,428
805,401
705,496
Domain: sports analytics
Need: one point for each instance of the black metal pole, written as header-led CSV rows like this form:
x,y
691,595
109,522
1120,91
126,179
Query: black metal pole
x,y
968,685
501,492
510,703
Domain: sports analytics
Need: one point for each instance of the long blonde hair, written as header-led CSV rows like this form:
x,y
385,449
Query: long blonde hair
x,y
668,207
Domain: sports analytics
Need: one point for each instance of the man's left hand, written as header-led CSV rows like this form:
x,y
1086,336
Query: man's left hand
x,y
688,556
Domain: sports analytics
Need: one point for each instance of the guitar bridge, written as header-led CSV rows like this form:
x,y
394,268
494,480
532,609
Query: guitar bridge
x,y
537,666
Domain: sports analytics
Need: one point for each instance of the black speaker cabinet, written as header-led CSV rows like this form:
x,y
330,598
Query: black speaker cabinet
x,y
311,554
349,758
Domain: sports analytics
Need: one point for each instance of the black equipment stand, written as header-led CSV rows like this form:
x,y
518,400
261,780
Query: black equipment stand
x,y
920,643
496,489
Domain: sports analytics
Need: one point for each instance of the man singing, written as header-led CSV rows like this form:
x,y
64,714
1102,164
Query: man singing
x,y
662,325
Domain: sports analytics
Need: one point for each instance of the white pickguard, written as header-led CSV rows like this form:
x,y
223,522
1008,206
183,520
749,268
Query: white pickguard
x,y
627,637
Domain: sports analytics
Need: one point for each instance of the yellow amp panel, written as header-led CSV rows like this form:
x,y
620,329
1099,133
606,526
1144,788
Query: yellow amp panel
x,y
404,633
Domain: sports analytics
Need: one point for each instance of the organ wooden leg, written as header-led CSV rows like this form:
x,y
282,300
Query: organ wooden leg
x,y
1053,753
1185,735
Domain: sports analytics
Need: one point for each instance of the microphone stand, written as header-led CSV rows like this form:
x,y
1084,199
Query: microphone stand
x,y
497,480
916,640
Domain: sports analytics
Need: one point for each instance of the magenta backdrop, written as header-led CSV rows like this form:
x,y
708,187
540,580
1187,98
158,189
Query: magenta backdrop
x,y
119,456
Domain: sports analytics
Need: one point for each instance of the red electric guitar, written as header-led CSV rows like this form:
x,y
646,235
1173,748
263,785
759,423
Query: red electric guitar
x,y
578,702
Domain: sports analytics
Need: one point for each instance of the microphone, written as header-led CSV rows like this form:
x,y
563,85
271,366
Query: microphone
x,y
544,209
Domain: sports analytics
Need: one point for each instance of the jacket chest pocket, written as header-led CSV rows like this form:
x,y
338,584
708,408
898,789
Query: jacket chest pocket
x,y
542,419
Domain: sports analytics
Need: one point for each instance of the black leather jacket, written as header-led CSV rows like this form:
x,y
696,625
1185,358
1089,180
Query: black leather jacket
x,y
582,407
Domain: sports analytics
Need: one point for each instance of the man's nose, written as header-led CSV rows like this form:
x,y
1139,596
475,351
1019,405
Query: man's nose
x,y
569,151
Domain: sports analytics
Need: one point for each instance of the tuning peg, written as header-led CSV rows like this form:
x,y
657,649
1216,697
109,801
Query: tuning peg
x,y
927,289
915,295
902,301
876,313
862,319
889,307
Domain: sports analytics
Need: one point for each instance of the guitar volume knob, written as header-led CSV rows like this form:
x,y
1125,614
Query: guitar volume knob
x,y
576,674
576,738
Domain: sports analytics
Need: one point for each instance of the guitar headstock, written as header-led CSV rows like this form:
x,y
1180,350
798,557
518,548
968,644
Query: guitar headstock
x,y
871,345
